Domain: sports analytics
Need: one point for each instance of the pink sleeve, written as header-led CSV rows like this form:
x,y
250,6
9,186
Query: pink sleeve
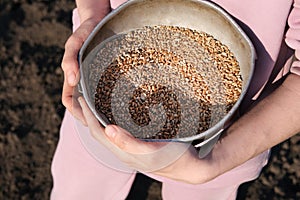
x,y
75,20
293,35
115,3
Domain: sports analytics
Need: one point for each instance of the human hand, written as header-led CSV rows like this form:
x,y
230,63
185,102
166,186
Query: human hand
x,y
71,69
177,161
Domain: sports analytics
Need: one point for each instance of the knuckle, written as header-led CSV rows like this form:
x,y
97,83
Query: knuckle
x,y
122,143
70,42
73,42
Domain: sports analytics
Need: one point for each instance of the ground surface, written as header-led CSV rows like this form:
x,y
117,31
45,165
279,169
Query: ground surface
x,y
32,36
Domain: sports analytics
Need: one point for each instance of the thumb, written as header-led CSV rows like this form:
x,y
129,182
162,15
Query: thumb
x,y
128,143
120,137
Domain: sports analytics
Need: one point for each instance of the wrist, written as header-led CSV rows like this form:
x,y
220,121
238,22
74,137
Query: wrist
x,y
199,171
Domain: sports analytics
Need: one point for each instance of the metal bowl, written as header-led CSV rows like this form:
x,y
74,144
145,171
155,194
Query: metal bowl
x,y
197,15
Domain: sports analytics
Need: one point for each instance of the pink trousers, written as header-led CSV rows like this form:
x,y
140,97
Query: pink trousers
x,y
79,174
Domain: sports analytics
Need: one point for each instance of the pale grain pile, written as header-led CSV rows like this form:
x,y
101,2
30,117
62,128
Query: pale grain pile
x,y
165,82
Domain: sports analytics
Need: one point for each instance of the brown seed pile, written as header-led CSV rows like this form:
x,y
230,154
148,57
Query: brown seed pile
x,y
165,82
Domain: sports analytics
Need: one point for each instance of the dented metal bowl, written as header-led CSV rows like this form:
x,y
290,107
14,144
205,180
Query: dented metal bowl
x,y
197,15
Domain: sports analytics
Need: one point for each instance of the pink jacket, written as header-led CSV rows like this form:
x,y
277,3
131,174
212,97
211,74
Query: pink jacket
x,y
265,22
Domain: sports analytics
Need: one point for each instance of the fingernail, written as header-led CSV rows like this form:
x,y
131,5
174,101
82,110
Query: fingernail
x,y
80,100
71,78
111,131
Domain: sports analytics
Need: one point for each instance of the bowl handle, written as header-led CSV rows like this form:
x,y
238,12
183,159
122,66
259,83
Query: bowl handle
x,y
208,144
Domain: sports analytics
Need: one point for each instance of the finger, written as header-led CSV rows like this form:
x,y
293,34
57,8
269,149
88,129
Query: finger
x,y
69,100
145,156
70,60
125,141
77,110
72,48
95,128
91,121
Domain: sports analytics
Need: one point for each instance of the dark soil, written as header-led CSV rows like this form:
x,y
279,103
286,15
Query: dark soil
x,y
32,37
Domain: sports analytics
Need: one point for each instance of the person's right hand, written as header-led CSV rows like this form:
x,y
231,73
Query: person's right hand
x,y
71,69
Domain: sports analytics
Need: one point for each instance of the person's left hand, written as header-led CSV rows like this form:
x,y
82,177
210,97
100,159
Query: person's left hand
x,y
177,161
